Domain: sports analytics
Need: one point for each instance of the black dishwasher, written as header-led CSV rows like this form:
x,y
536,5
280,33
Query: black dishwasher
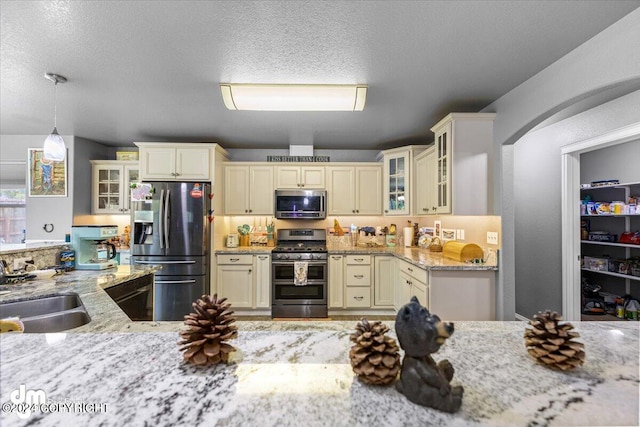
x,y
134,297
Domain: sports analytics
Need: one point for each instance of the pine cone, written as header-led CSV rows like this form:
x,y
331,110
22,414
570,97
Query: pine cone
x,y
207,329
552,344
374,356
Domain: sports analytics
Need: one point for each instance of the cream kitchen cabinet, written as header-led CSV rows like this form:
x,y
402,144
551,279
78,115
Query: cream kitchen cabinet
x,y
310,177
248,189
336,281
235,278
414,281
384,280
112,185
176,161
358,281
425,183
354,190
263,280
397,178
464,164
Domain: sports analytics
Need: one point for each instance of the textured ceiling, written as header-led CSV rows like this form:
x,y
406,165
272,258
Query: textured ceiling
x,y
149,70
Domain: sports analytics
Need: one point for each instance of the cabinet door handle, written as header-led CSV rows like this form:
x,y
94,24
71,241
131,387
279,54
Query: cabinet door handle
x,y
424,209
358,298
245,211
249,271
353,211
250,210
386,211
358,276
357,211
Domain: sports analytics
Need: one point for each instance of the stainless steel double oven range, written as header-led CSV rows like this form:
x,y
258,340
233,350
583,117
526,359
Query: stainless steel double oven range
x,y
306,248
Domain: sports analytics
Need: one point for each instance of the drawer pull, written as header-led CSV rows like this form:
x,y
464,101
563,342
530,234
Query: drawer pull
x,y
358,259
234,259
410,269
358,298
336,257
262,257
358,276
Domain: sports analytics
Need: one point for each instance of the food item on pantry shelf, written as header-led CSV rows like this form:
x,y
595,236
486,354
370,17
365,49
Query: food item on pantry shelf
x,y
632,237
603,208
605,183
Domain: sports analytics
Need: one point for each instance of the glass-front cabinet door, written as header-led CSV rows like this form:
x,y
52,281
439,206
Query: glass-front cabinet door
x,y
443,170
132,175
396,183
112,185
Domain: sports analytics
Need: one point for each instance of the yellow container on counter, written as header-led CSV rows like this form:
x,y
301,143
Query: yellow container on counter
x,y
462,252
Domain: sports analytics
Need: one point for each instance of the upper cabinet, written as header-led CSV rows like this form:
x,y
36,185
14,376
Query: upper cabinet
x,y
248,189
397,178
112,185
425,184
464,164
354,190
310,177
177,161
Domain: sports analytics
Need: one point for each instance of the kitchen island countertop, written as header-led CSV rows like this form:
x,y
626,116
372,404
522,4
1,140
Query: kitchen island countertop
x,y
90,285
294,373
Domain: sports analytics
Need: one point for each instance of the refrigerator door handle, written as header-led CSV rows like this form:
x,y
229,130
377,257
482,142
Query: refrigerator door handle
x,y
175,281
166,218
164,262
161,219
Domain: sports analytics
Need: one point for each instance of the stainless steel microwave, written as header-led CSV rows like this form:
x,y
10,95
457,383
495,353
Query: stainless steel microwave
x,y
301,204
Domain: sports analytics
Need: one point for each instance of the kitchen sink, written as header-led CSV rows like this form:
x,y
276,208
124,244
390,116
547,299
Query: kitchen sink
x,y
52,313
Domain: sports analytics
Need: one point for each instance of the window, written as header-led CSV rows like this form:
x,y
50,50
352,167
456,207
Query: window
x,y
12,214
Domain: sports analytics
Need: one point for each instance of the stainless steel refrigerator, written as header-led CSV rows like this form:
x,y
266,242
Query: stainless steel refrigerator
x,y
171,228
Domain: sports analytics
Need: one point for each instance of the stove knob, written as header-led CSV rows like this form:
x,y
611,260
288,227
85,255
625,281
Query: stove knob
x,y
286,256
299,256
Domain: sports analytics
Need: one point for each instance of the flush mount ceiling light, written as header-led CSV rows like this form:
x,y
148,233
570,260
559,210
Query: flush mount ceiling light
x,y
291,97
54,148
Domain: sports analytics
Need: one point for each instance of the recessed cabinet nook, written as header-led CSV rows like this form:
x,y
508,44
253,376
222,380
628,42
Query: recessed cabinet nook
x,y
112,185
307,177
605,262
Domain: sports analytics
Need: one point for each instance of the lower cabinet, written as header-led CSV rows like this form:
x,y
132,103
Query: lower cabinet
x,y
413,282
357,281
383,281
463,295
263,281
336,281
245,280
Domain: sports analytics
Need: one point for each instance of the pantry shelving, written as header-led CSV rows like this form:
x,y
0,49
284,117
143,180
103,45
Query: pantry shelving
x,y
609,213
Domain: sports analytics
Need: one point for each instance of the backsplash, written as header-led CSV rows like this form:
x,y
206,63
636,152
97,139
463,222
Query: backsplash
x,y
475,227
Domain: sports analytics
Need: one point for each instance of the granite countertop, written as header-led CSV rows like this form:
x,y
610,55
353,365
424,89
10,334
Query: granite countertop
x,y
419,257
294,373
90,285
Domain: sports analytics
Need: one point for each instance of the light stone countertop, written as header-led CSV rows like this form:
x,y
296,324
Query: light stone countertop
x,y
298,373
419,257
105,314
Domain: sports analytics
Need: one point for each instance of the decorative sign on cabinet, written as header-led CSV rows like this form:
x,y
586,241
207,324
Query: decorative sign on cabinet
x,y
112,185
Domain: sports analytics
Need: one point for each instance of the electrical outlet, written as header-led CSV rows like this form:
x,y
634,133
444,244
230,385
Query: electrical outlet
x,y
459,234
19,263
492,237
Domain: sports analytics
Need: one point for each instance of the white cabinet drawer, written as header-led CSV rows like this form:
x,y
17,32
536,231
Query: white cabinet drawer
x,y
358,297
235,259
358,275
415,272
359,259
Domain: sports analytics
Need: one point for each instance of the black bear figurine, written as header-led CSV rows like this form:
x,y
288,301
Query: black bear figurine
x,y
422,381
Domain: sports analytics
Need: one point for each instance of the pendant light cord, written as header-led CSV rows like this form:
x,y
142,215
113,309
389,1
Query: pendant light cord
x,y
55,104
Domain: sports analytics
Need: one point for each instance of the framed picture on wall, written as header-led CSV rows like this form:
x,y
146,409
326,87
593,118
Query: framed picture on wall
x,y
46,178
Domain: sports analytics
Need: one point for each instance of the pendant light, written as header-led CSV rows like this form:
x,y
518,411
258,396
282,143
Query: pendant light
x,y
54,148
